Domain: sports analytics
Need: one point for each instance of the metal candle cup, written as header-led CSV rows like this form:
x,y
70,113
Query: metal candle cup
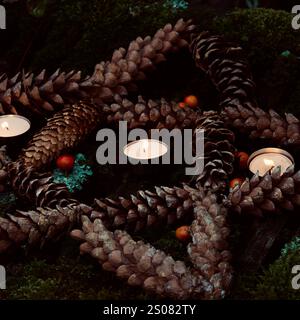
x,y
13,125
267,159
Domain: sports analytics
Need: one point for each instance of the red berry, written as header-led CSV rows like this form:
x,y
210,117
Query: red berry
x,y
65,162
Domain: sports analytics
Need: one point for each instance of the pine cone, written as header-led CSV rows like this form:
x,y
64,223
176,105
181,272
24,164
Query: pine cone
x,y
270,193
143,265
226,67
208,250
4,161
44,94
218,150
231,75
266,125
38,187
147,209
127,67
152,114
34,228
65,130
3,179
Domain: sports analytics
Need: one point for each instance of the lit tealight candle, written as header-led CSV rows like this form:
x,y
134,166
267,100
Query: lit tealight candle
x,y
12,125
267,159
145,149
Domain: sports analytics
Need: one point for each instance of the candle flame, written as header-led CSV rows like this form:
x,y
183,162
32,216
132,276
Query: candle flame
x,y
269,163
4,125
145,145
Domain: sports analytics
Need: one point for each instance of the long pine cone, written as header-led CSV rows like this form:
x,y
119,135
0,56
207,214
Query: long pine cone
x,y
143,265
260,124
218,151
226,67
230,73
34,228
146,209
38,188
154,114
64,130
40,93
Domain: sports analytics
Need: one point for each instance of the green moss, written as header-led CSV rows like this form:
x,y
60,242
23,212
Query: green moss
x,y
168,242
7,203
36,289
65,278
263,33
277,88
79,34
273,283
69,276
37,8
63,274
86,32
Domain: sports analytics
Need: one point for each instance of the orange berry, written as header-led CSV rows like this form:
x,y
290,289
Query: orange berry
x,y
191,101
183,233
243,159
236,182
